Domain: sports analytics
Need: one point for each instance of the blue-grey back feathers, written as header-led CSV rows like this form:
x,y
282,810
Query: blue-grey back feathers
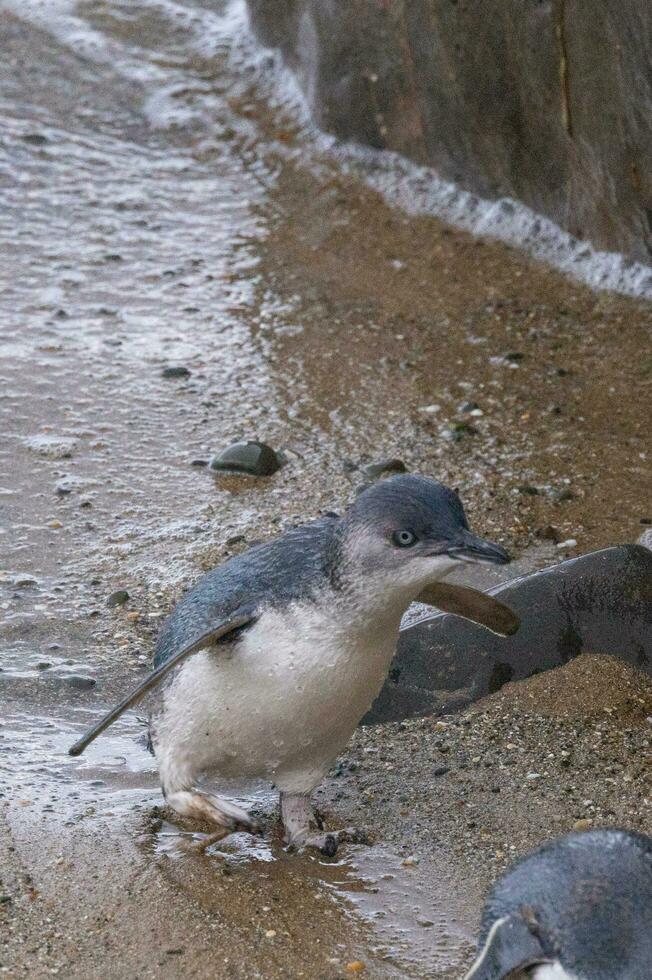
x,y
288,568
305,559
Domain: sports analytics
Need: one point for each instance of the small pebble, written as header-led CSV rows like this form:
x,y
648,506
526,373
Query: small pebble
x,y
234,539
270,933
117,598
175,371
584,824
374,470
548,533
80,683
355,966
568,543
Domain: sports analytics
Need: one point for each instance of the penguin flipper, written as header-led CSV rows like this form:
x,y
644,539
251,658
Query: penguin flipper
x,y
510,946
479,607
237,621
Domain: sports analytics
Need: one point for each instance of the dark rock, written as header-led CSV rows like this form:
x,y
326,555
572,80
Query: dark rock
x,y
599,602
117,598
460,429
514,356
254,458
175,371
440,770
375,470
235,539
548,533
80,683
36,139
562,495
528,490
199,462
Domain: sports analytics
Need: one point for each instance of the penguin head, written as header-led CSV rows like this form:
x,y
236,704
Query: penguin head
x,y
411,530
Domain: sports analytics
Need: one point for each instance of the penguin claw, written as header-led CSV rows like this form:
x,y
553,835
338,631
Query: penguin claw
x,y
330,845
327,843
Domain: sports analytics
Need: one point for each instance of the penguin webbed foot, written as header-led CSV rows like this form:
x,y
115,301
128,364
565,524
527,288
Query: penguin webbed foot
x,y
226,816
304,828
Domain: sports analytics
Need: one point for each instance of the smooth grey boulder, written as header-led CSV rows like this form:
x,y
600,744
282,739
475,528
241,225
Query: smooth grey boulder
x,y
598,603
254,458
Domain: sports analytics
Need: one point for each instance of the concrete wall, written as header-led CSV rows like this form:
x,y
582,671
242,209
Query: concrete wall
x,y
548,102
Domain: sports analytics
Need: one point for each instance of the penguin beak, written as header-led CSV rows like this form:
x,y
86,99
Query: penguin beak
x,y
471,548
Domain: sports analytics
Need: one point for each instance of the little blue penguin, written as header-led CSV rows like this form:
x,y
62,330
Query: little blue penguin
x,y
272,659
578,908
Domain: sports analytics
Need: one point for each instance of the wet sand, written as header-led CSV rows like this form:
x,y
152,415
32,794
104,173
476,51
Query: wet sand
x,y
158,212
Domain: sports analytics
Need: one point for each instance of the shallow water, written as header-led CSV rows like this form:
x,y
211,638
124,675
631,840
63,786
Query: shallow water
x,y
158,211
414,922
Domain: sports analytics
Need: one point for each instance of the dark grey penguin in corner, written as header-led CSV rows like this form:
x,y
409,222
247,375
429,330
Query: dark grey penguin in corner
x,y
578,908
272,659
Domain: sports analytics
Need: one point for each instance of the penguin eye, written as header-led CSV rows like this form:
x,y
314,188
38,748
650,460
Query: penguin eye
x,y
404,538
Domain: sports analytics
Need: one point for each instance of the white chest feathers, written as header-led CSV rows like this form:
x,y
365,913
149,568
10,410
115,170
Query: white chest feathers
x,y
551,971
280,702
